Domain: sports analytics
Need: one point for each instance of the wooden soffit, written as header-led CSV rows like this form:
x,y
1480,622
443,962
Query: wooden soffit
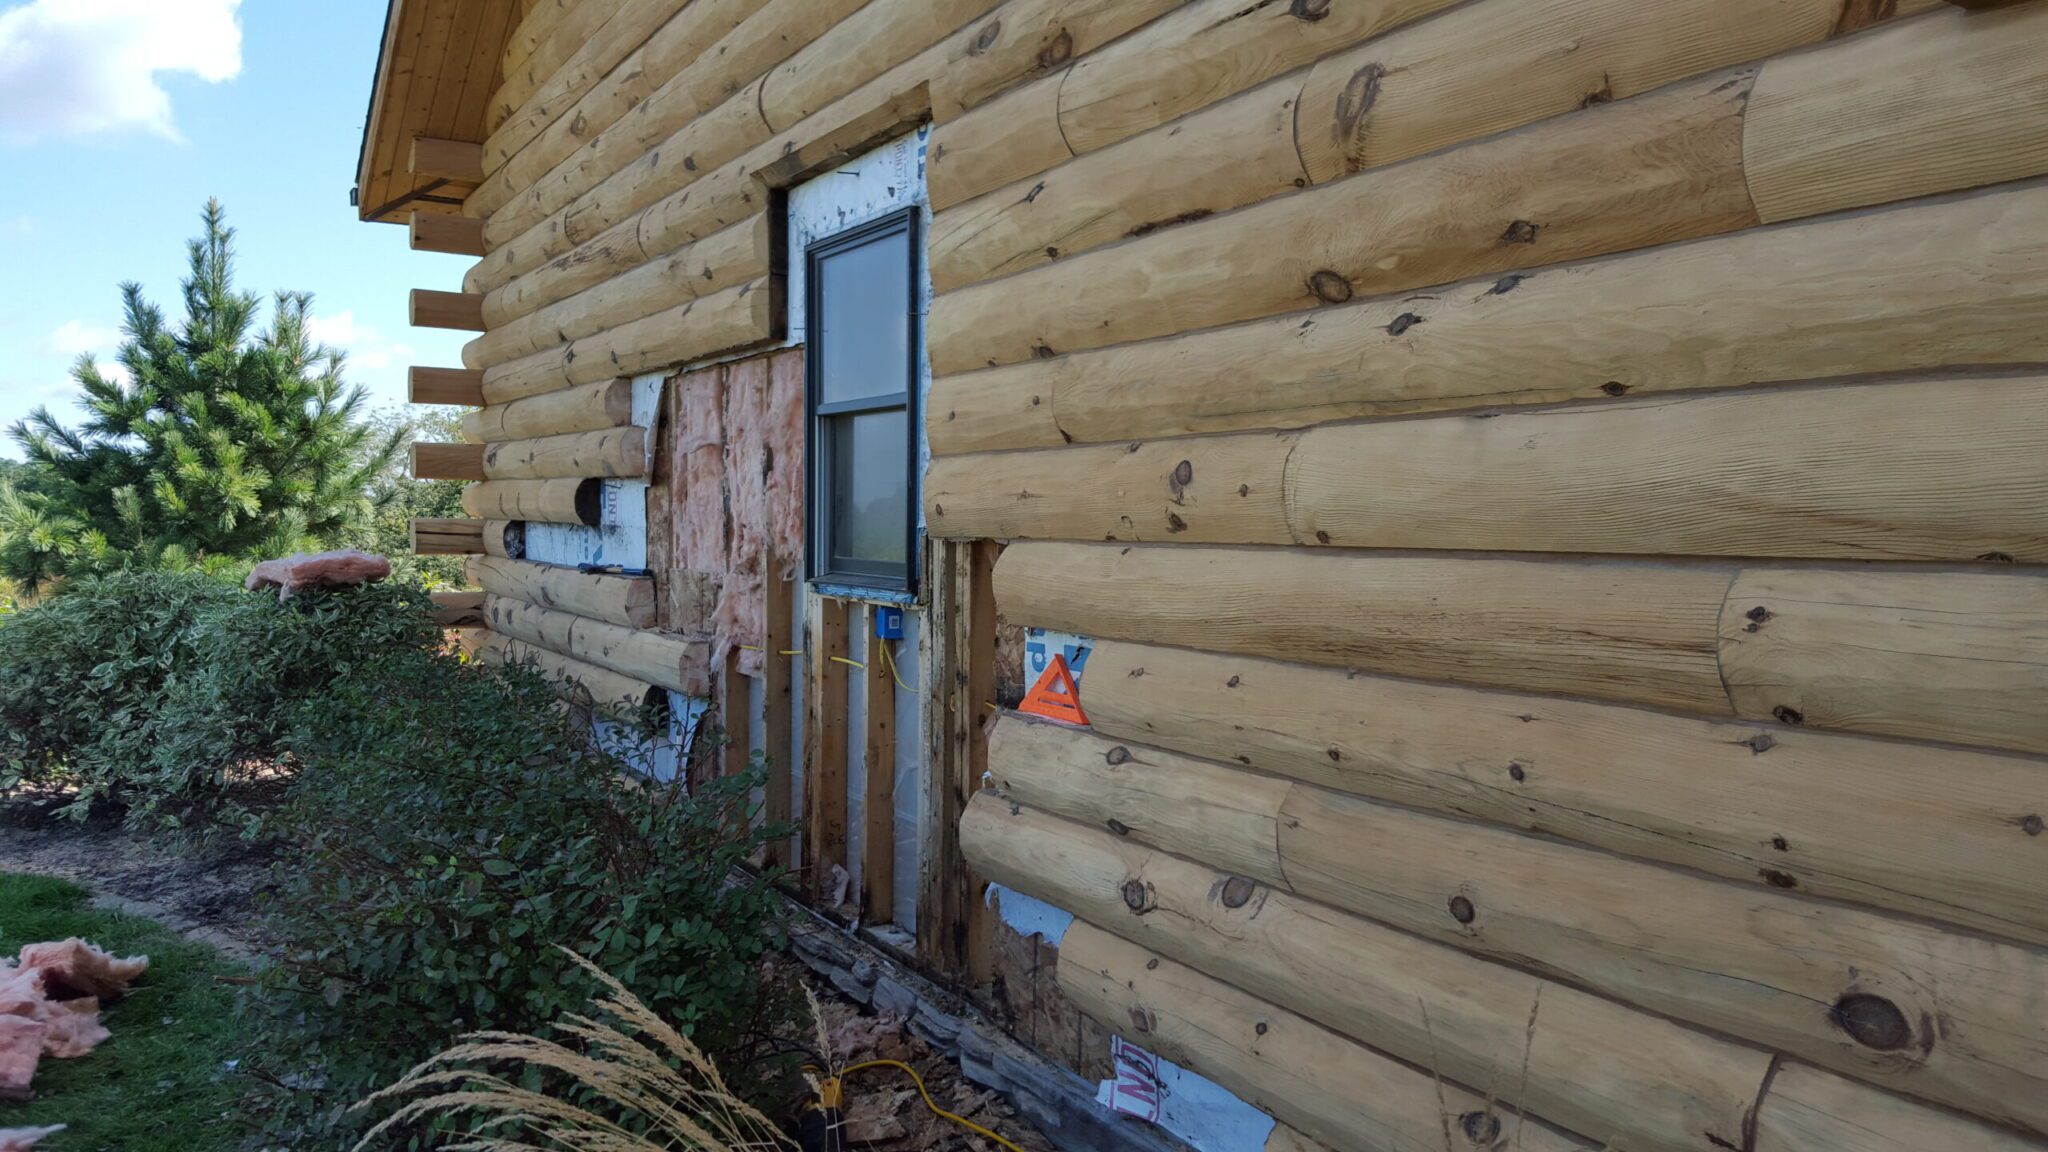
x,y
439,64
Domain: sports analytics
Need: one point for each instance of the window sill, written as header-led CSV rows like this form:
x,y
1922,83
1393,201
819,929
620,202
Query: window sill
x,y
892,596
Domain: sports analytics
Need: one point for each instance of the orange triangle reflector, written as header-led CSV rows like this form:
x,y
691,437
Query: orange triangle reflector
x,y
1056,696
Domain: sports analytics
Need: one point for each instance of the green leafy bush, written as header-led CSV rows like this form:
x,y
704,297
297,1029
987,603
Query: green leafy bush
x,y
452,828
167,693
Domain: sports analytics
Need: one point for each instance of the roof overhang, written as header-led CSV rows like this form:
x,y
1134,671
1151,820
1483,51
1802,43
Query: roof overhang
x,y
438,66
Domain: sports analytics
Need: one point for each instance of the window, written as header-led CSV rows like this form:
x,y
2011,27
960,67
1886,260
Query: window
x,y
861,386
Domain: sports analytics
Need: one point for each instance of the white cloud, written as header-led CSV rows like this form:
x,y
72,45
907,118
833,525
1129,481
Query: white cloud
x,y
74,337
367,346
70,67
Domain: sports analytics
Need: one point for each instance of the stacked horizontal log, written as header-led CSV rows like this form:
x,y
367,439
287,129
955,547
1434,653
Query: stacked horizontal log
x,y
577,682
627,601
1845,989
576,501
1930,834
680,664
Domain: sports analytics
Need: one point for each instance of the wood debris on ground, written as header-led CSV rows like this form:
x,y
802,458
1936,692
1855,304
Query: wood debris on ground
x,y
885,1113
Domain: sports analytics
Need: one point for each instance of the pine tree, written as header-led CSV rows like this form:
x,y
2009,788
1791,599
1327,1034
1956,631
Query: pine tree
x,y
223,443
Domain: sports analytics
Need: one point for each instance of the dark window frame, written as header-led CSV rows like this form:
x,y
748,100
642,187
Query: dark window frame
x,y
821,565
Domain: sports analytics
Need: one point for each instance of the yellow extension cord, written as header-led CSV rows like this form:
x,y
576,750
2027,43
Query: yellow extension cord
x,y
962,1121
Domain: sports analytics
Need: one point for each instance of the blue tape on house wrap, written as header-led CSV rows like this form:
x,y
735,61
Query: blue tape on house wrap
x,y
1028,915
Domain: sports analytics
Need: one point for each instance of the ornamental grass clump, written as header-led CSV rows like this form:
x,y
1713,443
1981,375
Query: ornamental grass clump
x,y
625,1081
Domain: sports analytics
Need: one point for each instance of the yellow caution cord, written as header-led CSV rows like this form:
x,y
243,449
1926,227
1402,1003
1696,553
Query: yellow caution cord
x,y
962,1121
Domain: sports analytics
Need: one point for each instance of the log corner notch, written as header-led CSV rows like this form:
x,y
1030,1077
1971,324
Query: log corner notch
x,y
440,232
455,161
448,462
445,386
462,311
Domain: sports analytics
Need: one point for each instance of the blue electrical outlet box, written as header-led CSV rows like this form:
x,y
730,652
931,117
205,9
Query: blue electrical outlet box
x,y
889,623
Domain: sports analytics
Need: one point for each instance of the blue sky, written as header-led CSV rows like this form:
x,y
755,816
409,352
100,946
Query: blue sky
x,y
118,118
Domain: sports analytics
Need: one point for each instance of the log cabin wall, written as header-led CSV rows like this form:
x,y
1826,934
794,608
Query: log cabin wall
x,y
1555,489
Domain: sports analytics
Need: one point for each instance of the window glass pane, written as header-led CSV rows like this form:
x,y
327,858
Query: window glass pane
x,y
864,320
870,468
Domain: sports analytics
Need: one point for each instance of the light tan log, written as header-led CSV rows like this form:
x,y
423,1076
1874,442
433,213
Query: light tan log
x,y
585,408
1239,152
1661,168
1209,51
444,386
1940,1015
505,539
1952,100
458,609
1025,39
735,255
447,461
687,91
1934,832
674,46
1628,1080
532,27
1493,66
445,537
868,43
1958,657
440,232
1350,1097
1963,282
673,662
602,47
627,601
716,201
453,160
579,501
1014,136
463,311
1220,490
1944,469
1808,1110
730,318
552,39
615,453
580,683
1634,632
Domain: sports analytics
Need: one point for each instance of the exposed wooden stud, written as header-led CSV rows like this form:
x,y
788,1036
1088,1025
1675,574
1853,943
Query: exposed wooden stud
x,y
937,942
627,601
825,739
447,461
445,386
735,714
878,811
456,161
445,537
462,311
778,734
441,232
975,633
458,609
566,501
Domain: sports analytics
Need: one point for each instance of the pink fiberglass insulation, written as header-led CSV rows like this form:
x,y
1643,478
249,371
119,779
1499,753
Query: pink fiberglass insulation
x,y
58,986
318,569
74,968
697,482
763,472
21,1049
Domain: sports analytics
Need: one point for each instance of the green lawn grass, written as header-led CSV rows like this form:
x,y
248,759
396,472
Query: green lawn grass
x,y
161,1084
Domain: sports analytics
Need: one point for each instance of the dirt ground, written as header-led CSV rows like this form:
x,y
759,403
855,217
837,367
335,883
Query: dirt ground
x,y
210,896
